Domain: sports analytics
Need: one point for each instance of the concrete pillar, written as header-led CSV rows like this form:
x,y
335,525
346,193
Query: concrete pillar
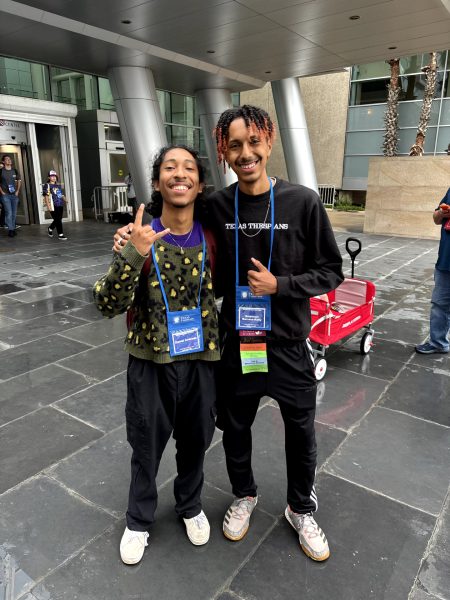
x,y
141,124
210,104
294,132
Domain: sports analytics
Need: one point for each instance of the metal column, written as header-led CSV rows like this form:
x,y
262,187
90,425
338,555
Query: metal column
x,y
140,121
210,104
294,132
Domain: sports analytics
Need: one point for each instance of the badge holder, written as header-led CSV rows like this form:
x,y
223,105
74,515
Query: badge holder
x,y
184,327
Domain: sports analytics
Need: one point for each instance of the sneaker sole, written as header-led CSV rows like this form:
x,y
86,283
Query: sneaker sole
x,y
131,562
236,538
432,351
197,543
304,548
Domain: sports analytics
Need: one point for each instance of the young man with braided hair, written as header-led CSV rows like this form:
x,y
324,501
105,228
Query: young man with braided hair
x,y
277,250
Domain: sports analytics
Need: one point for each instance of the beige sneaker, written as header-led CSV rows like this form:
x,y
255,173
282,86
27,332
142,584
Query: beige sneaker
x,y
197,529
132,546
237,518
312,539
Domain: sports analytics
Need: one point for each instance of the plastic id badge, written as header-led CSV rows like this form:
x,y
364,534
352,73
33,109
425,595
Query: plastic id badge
x,y
252,312
11,188
447,225
185,331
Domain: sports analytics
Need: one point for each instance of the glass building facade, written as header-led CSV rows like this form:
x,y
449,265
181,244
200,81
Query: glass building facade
x,y
87,92
367,107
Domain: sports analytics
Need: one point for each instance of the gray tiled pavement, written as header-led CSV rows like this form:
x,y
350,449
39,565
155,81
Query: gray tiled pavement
x,y
383,425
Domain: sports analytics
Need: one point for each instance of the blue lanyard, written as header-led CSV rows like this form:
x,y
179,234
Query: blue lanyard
x,y
158,274
236,226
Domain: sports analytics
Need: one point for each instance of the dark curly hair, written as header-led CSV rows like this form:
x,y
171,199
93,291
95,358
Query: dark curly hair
x,y
156,202
252,115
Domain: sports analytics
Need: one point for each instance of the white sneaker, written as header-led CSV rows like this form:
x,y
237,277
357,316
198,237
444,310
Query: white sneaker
x,y
197,529
237,518
132,546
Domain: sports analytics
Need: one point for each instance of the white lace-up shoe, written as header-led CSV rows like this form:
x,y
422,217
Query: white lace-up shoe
x,y
237,518
132,546
312,539
197,529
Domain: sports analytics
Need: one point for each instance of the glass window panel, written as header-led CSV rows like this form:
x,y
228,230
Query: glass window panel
x,y
356,166
415,63
113,133
445,112
366,117
118,167
182,109
364,142
164,105
369,92
370,70
408,138
106,100
73,88
409,113
443,140
22,78
236,99
413,86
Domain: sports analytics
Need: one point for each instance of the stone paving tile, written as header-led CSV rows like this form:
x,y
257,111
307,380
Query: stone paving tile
x,y
41,526
35,389
410,331
362,564
24,311
100,332
101,405
421,392
36,441
99,363
434,574
418,594
268,458
88,312
38,328
344,397
375,364
45,291
107,461
33,355
416,452
172,567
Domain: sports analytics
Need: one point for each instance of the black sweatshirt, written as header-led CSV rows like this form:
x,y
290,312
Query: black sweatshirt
x,y
305,258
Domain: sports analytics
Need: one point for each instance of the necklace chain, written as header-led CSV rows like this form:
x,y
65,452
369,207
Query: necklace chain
x,y
250,235
184,242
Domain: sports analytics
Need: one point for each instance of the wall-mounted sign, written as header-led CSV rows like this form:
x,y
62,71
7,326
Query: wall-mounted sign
x,y
12,132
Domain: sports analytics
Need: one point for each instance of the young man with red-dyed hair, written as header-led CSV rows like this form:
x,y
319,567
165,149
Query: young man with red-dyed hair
x,y
276,250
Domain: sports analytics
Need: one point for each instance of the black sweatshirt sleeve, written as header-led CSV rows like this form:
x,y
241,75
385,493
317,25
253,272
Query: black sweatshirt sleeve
x,y
324,261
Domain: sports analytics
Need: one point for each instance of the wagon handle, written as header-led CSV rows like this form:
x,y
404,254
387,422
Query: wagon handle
x,y
353,253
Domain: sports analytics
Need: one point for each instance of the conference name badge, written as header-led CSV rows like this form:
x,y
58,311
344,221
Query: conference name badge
x,y
252,312
185,332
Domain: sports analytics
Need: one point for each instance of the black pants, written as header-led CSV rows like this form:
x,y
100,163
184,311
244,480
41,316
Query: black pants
x,y
57,215
177,397
291,382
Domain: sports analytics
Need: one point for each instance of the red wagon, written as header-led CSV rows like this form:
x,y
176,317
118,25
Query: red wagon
x,y
340,313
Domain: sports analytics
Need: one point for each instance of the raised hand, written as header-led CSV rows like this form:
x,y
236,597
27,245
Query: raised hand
x,y
142,236
262,281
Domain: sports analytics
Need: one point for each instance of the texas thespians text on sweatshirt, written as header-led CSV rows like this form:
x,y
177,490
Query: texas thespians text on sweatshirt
x,y
305,258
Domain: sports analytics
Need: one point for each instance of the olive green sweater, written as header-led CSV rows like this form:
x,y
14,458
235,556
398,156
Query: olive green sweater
x,y
125,288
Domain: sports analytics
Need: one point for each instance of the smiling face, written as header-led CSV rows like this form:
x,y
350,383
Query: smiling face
x,y
247,152
178,181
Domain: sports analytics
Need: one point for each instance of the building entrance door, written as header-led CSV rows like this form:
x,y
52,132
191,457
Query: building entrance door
x,y
19,157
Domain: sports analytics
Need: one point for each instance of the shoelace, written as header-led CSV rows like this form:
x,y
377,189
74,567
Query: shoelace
x,y
242,508
200,520
138,535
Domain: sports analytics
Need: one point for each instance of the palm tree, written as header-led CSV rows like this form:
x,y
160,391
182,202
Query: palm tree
x,y
390,144
428,95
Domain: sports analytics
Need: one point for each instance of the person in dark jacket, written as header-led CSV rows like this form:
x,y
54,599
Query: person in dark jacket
x,y
276,251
